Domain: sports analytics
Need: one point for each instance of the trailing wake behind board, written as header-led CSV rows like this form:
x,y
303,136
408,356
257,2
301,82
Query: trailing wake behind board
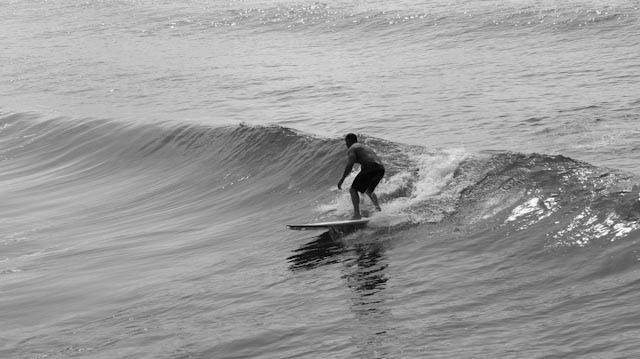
x,y
332,224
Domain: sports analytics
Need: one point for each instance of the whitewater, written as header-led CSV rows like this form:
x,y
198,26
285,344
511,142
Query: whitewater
x,y
152,153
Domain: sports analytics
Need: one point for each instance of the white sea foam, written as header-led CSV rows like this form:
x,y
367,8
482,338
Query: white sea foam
x,y
405,194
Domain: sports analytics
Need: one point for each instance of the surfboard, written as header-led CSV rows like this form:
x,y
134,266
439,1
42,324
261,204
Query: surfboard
x,y
333,224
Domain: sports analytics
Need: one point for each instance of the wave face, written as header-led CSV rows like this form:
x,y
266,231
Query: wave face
x,y
573,200
113,223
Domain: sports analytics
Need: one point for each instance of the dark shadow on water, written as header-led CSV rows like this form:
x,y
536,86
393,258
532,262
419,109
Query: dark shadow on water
x,y
367,275
362,255
322,250
365,260
364,270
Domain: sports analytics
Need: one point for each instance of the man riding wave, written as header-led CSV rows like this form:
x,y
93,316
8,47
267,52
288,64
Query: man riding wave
x,y
371,172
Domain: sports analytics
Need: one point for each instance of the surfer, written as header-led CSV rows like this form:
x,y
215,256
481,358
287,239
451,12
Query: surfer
x,y
371,172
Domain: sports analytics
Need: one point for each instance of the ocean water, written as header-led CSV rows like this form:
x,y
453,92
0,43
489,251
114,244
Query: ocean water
x,y
152,152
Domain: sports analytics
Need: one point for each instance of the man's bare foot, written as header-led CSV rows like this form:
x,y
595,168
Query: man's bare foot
x,y
378,209
356,217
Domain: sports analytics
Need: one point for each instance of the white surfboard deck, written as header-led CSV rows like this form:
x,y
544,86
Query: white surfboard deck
x,y
332,224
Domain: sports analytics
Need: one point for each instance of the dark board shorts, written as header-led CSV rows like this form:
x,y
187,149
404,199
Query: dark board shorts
x,y
368,178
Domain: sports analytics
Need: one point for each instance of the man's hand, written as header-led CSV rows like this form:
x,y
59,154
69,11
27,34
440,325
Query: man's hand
x,y
340,183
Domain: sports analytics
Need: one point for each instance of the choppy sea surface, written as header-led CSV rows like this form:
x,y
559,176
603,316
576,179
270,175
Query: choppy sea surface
x,y
152,152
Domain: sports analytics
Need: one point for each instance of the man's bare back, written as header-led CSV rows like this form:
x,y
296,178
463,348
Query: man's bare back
x,y
364,155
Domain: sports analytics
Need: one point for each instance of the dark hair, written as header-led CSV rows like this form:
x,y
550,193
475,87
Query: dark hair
x,y
351,137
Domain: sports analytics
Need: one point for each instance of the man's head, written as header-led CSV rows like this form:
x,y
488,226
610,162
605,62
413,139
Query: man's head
x,y
350,139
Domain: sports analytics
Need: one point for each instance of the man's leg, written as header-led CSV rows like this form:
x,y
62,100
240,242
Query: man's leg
x,y
376,178
374,199
355,200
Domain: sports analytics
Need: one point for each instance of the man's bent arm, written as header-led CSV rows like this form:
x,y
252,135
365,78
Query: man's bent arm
x,y
350,162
